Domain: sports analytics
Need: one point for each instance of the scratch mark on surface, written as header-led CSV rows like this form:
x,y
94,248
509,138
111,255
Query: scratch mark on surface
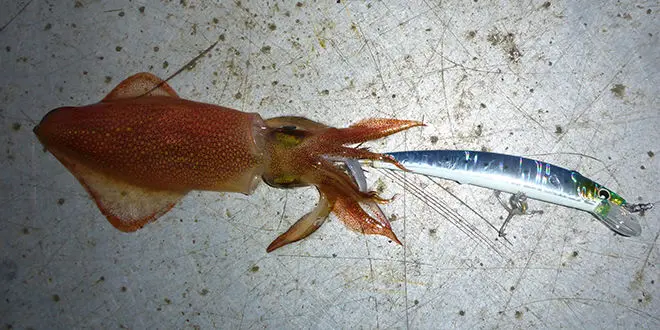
x,y
525,114
639,275
16,15
441,46
524,269
597,97
561,251
586,301
405,255
376,64
575,314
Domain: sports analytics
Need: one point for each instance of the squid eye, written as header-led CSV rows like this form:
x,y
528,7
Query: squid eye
x,y
604,194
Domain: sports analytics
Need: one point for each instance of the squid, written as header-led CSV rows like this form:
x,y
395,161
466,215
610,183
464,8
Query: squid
x,y
142,148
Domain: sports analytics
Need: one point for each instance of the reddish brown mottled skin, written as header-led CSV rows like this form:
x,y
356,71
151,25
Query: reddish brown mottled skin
x,y
142,148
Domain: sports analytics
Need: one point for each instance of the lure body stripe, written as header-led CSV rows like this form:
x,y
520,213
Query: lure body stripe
x,y
512,174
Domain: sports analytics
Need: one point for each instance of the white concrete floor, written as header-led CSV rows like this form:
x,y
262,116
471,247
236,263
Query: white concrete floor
x,y
573,84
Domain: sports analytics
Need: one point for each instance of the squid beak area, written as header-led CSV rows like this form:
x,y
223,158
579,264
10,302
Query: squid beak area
x,y
311,151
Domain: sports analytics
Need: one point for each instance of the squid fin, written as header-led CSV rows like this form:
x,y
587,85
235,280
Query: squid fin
x,y
140,84
305,226
128,207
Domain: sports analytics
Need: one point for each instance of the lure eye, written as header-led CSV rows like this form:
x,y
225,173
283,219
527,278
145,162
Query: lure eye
x,y
604,194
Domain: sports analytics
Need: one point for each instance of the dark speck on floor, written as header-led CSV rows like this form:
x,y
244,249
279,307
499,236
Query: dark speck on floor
x,y
618,90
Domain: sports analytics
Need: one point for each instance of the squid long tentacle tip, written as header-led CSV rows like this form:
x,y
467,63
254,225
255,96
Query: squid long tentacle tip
x,y
394,239
276,244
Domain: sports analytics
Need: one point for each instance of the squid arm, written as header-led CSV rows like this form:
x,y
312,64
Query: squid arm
x,y
142,148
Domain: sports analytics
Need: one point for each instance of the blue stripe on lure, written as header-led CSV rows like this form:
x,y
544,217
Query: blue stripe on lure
x,y
533,178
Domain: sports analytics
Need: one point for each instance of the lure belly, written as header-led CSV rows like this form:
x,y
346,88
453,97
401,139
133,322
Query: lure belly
x,y
518,175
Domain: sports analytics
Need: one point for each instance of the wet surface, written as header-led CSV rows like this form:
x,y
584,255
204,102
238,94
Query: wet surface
x,y
572,85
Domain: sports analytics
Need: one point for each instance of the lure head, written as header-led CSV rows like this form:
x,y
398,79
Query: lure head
x,y
612,211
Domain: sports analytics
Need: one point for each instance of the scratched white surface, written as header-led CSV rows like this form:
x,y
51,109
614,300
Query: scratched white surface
x,y
553,80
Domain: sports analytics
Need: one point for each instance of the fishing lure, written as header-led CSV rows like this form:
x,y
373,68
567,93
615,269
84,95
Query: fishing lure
x,y
142,148
524,177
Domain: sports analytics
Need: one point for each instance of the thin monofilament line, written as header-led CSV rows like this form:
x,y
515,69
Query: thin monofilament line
x,y
441,209
438,206
468,206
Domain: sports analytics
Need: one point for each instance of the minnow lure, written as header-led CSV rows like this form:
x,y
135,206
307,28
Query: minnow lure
x,y
142,148
524,177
